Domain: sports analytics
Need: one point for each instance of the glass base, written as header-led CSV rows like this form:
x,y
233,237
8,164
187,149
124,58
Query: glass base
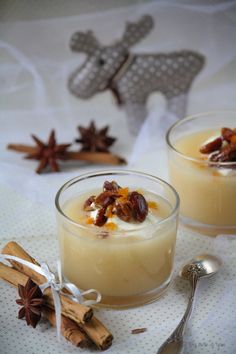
x,y
209,230
121,302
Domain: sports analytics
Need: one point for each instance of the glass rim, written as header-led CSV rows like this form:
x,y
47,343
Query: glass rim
x,y
111,172
195,159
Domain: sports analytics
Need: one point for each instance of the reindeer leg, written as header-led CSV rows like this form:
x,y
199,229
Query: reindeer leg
x,y
178,105
136,114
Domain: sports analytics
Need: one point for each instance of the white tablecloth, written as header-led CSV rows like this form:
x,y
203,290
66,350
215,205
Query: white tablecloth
x,y
212,329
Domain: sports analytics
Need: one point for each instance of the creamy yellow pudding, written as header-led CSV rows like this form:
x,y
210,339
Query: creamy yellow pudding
x,y
204,174
125,257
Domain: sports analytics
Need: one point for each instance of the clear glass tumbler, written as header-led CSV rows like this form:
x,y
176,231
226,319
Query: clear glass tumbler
x,y
129,267
207,189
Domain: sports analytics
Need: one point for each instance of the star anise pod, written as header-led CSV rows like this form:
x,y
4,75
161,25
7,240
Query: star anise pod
x,y
32,301
48,153
93,139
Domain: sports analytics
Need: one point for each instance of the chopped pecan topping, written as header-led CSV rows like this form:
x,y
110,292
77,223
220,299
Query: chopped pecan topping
x,y
139,206
227,154
101,218
223,148
227,134
124,211
110,186
211,146
118,201
106,198
88,203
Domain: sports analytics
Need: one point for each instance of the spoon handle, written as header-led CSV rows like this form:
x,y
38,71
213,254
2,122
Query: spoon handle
x,y
174,344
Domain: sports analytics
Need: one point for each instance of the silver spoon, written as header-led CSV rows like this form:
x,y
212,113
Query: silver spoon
x,y
201,266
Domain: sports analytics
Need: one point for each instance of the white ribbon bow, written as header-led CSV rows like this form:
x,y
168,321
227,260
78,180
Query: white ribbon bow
x,y
56,287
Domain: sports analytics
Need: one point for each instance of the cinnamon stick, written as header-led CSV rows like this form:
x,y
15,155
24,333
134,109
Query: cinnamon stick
x,y
98,333
22,148
95,330
74,310
69,329
14,249
12,276
94,157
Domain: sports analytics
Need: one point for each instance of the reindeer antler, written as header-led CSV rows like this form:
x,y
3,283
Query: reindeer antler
x,y
84,42
134,32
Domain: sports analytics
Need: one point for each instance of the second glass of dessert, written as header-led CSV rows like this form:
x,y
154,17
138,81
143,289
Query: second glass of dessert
x,y
202,168
117,234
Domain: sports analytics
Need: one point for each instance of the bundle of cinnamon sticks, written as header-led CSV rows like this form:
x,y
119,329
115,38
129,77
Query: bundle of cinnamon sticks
x,y
78,324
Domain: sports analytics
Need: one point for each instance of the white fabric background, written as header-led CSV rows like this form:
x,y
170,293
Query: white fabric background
x,y
35,61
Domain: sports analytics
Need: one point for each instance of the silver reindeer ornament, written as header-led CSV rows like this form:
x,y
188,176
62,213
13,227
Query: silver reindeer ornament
x,y
133,77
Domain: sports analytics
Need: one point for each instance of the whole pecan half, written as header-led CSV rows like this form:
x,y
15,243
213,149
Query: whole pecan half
x,y
226,154
232,153
110,186
211,146
139,206
124,211
227,134
106,198
88,202
101,218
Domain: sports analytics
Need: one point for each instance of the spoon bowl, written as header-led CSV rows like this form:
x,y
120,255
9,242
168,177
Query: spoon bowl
x,y
204,265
